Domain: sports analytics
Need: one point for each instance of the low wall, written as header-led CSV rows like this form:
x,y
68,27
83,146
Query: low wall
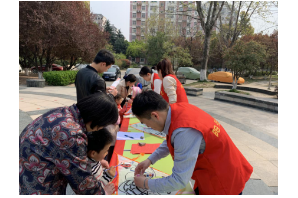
x,y
35,82
246,101
193,91
240,87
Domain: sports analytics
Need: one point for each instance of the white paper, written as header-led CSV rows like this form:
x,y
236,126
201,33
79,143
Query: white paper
x,y
115,83
130,136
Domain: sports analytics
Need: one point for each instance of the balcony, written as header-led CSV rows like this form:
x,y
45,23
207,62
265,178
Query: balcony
x,y
138,19
139,3
139,11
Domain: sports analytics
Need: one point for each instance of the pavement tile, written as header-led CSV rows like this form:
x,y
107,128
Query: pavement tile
x,y
267,171
250,154
267,151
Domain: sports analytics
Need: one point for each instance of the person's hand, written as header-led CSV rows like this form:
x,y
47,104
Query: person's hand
x,y
141,167
109,188
112,91
104,163
139,181
130,101
112,171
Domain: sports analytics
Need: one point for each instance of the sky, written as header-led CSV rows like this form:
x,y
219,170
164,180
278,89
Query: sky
x,y
118,14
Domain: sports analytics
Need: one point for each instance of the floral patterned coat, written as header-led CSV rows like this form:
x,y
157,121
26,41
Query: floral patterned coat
x,y
53,153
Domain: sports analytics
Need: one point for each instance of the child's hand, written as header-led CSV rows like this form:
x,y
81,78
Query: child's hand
x,y
109,188
130,101
112,171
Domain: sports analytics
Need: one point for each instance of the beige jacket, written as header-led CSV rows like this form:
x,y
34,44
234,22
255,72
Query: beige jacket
x,y
170,86
121,88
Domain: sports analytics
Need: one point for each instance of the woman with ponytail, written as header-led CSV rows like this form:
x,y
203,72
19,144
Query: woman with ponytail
x,y
151,77
171,89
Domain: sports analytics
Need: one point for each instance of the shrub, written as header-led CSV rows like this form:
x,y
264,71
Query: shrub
x,y
60,78
125,63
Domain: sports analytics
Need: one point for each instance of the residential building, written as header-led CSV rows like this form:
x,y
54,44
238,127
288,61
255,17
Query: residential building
x,y
183,18
100,20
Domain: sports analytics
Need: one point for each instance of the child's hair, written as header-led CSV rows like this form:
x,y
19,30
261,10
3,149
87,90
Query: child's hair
x,y
118,97
97,140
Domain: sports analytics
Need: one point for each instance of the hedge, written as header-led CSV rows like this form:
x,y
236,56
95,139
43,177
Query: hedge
x,y
60,78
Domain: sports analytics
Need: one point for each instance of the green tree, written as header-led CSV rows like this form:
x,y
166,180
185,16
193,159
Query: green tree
x,y
112,35
244,56
155,47
178,55
120,45
136,49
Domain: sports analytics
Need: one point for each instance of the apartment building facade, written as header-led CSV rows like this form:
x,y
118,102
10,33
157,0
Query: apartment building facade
x,y
184,18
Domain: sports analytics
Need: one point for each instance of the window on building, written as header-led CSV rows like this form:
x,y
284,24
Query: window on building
x,y
134,7
143,15
195,23
161,4
143,7
134,15
142,37
133,37
134,22
180,17
142,30
142,60
143,23
189,18
134,30
180,9
152,7
171,9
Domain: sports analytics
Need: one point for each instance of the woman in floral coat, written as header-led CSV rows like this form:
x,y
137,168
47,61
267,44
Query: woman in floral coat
x,y
53,147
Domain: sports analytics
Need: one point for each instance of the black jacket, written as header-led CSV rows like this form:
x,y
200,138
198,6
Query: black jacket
x,y
88,82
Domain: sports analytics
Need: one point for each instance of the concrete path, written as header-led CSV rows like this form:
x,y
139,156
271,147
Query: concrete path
x,y
254,132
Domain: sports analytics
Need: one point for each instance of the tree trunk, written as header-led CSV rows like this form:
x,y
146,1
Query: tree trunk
x,y
40,75
26,71
235,80
205,56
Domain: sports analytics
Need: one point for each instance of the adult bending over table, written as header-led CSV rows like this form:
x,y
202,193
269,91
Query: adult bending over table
x,y
53,147
171,89
199,145
151,77
124,87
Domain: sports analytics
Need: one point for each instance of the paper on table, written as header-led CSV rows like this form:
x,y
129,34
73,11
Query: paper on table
x,y
130,136
115,83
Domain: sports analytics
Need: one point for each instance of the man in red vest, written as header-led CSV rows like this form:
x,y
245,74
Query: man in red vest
x,y
199,145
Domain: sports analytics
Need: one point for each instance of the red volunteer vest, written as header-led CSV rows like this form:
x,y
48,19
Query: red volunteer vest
x,y
155,76
221,169
181,94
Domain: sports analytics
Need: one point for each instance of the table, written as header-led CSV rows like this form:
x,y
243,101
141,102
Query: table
x,y
122,147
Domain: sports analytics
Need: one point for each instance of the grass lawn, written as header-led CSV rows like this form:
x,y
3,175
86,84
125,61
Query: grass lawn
x,y
237,91
259,78
199,84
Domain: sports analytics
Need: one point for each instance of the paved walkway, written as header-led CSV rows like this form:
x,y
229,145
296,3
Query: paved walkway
x,y
254,132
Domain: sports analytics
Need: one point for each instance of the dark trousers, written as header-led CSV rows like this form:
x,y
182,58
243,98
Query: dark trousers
x,y
197,191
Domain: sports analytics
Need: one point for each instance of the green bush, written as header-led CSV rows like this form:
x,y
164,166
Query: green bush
x,y
60,78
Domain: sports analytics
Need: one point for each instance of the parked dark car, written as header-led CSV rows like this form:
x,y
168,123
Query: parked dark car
x,y
112,74
116,66
55,67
